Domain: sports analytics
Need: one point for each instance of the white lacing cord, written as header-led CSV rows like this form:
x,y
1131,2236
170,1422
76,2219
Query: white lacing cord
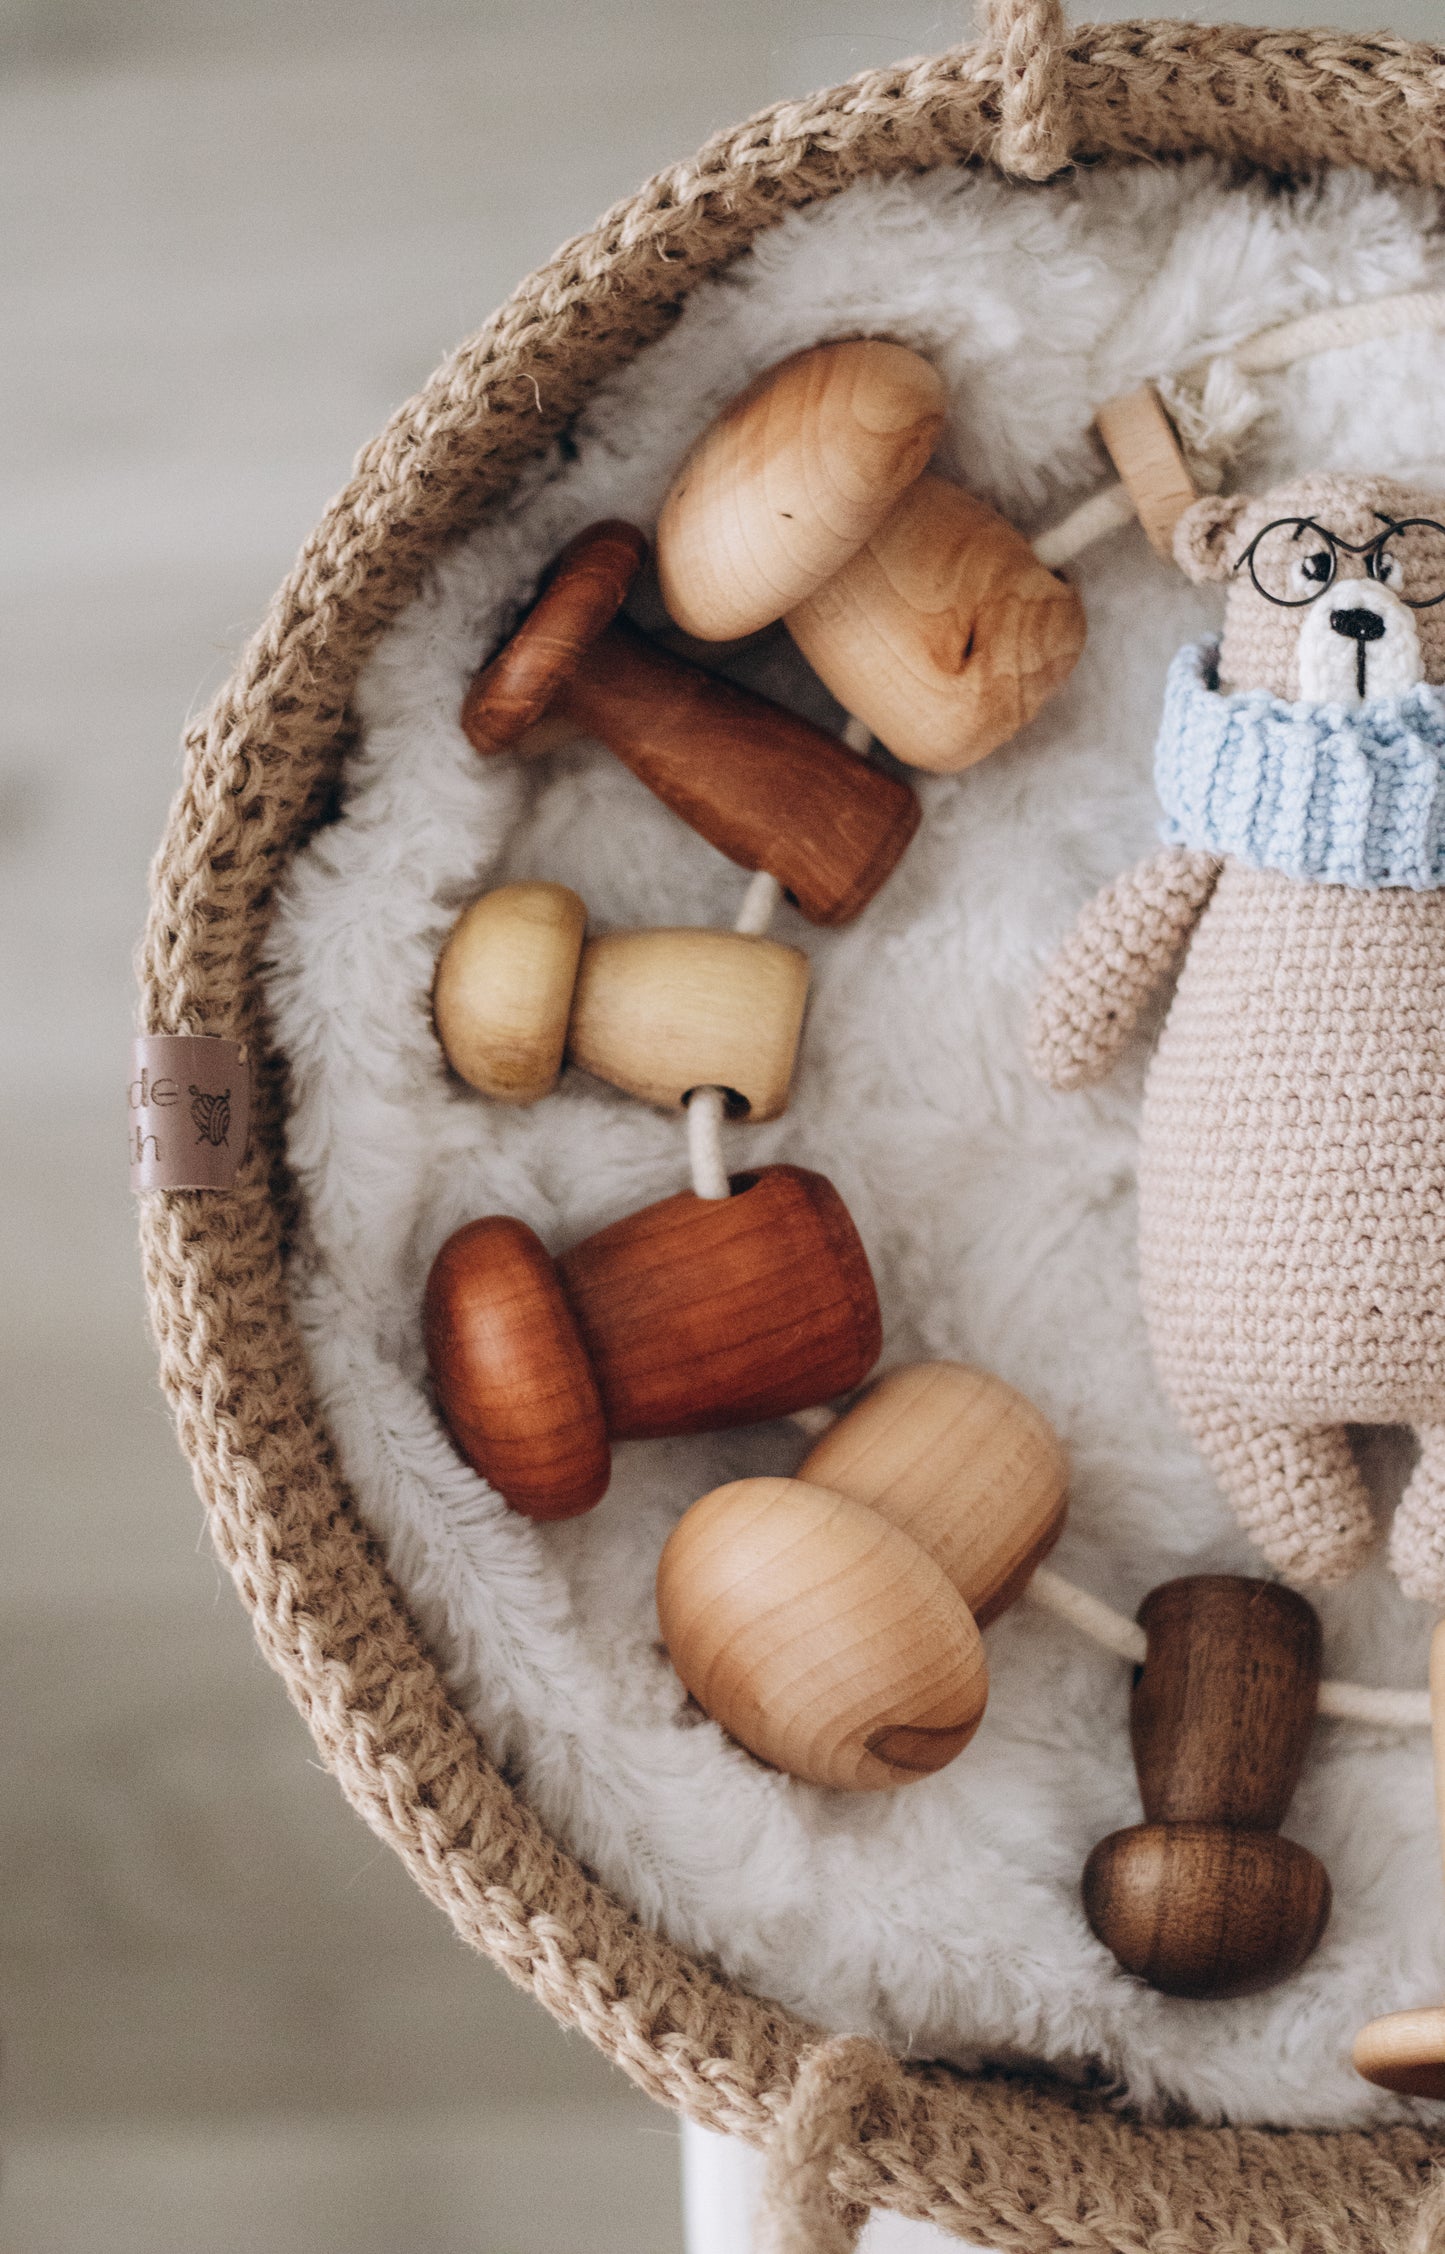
x,y
1112,1631
707,1107
1212,404
1336,325
706,1110
1340,1702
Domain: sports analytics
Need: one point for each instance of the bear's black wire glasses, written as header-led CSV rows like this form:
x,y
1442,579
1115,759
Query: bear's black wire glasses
x,y
1274,553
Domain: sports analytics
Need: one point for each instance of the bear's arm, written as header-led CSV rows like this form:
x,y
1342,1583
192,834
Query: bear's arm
x,y
1121,950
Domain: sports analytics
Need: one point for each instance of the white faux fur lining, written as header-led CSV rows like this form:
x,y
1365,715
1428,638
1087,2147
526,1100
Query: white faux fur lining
x,y
999,1219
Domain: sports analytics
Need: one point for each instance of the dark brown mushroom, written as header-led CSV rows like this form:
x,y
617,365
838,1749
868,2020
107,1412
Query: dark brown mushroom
x,y
766,788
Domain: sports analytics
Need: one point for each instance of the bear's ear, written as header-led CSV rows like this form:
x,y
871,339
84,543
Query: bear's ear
x,y
1204,535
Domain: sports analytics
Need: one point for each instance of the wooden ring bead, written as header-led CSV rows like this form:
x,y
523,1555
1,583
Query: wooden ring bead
x,y
820,1636
692,1315
791,480
763,786
1140,441
1204,1898
962,1463
656,1013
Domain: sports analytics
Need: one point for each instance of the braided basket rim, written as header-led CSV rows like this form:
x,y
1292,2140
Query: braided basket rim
x,y
1014,2162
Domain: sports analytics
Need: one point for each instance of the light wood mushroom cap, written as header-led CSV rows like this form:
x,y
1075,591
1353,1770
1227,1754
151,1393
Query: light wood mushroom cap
x,y
582,594
945,634
1405,2052
819,1635
791,480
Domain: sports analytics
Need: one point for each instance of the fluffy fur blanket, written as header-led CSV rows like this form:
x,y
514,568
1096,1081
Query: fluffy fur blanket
x,y
999,1218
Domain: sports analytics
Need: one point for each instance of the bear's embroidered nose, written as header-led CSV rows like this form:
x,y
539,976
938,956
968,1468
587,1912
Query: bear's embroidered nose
x,y
1360,625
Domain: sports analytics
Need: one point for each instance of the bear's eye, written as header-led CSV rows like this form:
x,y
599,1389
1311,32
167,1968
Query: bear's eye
x,y
1292,561
1386,567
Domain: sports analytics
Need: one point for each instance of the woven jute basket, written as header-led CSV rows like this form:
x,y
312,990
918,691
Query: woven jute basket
x,y
1008,2161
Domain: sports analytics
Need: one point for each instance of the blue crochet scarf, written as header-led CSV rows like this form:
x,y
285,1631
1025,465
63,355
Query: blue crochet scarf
x,y
1342,794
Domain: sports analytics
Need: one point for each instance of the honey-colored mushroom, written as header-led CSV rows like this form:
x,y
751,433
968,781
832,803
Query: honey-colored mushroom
x,y
923,611
820,1636
766,788
503,990
658,1013
783,1612
661,1013
791,480
961,1462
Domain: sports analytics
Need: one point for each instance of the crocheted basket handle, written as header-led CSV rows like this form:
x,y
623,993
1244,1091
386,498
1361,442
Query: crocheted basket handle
x,y
839,2081
1030,38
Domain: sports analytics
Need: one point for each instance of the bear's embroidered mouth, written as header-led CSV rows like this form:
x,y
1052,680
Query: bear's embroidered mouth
x,y
1333,790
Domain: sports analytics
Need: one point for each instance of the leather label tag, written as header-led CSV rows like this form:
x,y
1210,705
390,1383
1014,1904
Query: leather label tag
x,y
188,1110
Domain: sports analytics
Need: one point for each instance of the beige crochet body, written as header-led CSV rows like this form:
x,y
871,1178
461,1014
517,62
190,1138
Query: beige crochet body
x,y
1292,1207
1292,1139
1292,1176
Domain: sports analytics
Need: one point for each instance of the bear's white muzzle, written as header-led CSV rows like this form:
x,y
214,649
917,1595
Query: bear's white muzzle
x,y
1358,641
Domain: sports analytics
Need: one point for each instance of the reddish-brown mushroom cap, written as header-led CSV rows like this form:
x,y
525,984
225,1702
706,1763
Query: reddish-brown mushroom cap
x,y
513,1382
581,595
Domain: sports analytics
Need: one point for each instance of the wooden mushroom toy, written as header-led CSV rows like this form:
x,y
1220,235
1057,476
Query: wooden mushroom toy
x,y
768,789
520,988
1405,2050
923,611
819,1635
1205,1898
693,1315
786,1603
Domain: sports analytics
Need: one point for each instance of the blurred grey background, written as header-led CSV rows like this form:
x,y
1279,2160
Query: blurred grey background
x,y
237,233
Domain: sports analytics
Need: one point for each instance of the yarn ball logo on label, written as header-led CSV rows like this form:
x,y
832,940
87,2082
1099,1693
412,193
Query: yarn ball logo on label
x,y
188,1111
212,1115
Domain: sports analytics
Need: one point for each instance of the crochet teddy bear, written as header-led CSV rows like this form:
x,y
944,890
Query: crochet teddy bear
x,y
1292,1139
